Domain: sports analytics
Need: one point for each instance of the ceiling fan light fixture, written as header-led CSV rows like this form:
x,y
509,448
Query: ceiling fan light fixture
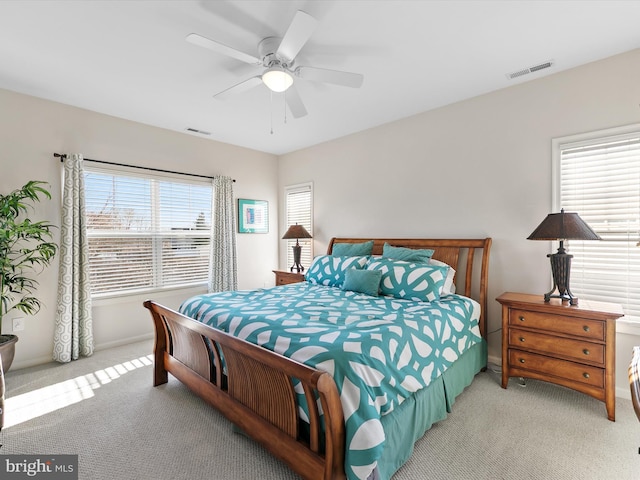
x,y
277,79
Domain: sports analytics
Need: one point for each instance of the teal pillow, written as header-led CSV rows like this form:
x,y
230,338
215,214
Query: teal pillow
x,y
362,281
330,270
406,254
352,249
411,281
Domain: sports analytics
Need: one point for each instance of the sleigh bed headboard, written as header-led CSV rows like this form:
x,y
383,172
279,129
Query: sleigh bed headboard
x,y
472,273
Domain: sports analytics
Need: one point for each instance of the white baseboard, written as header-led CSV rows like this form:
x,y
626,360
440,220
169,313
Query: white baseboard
x,y
494,360
623,393
124,341
32,362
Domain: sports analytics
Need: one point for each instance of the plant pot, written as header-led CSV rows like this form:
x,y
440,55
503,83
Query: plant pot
x,y
7,350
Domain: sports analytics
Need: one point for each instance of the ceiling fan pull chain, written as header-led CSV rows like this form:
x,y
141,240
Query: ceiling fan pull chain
x,y
284,104
271,111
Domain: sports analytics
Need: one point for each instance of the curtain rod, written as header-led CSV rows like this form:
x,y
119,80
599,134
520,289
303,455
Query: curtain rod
x,y
62,156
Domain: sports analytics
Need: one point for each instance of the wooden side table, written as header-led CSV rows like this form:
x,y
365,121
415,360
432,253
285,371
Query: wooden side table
x,y
284,278
569,345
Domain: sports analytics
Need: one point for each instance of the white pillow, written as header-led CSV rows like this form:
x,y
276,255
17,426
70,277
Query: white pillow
x,y
449,286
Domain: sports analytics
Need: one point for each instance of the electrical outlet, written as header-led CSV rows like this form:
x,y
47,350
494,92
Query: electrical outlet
x,y
18,324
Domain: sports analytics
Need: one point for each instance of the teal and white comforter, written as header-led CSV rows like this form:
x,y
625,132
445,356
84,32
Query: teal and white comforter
x,y
379,350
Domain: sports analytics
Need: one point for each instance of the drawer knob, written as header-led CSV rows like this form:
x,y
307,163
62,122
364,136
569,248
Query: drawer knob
x,y
585,351
585,375
521,339
586,328
521,360
521,318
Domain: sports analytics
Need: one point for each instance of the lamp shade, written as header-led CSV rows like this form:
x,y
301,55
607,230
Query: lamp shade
x,y
563,226
296,231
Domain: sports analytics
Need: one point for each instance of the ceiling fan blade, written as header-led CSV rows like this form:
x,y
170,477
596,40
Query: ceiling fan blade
x,y
346,79
222,48
241,87
295,102
299,31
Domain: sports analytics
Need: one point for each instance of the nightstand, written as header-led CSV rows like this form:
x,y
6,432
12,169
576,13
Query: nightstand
x,y
284,278
569,345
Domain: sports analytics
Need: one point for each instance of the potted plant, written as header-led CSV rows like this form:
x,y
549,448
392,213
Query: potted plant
x,y
25,249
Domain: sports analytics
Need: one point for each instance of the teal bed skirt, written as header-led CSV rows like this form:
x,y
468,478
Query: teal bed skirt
x,y
408,422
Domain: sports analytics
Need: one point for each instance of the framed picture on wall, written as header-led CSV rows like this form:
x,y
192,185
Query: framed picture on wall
x,y
253,216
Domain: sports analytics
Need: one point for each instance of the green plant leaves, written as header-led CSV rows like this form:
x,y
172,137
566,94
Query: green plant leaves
x,y
26,247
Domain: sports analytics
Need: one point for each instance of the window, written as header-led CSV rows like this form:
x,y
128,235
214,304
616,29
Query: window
x,y
598,176
298,208
146,232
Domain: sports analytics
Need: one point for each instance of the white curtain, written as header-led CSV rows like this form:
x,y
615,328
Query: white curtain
x,y
73,335
223,274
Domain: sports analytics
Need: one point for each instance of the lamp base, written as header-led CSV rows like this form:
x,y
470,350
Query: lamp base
x,y
299,268
561,269
566,297
297,249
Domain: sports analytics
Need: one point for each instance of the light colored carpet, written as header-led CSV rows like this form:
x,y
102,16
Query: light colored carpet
x,y
541,431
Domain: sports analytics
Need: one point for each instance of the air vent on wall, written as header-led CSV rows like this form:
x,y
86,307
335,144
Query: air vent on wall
x,y
526,71
195,130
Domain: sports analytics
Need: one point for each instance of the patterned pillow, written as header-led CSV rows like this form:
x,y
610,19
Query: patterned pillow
x,y
406,254
330,270
362,281
413,281
449,286
350,249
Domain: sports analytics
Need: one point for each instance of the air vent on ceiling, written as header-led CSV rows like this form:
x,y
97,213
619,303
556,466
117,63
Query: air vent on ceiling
x,y
195,130
526,71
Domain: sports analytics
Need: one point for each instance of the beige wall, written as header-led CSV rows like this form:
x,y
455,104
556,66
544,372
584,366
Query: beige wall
x,y
477,168
32,129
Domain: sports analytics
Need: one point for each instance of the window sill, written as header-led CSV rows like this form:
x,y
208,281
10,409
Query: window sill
x,y
139,297
629,327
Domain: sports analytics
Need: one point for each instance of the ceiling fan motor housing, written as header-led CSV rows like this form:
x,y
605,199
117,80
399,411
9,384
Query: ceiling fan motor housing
x,y
267,49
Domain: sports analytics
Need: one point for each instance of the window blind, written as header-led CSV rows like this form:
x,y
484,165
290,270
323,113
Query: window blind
x,y
146,232
298,207
600,180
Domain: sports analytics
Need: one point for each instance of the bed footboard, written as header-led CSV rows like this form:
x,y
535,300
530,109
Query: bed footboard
x,y
254,390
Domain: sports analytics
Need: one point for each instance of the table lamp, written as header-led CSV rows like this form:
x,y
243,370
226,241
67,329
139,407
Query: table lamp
x,y
562,226
296,231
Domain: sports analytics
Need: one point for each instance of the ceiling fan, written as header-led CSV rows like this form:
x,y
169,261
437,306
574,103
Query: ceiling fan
x,y
277,57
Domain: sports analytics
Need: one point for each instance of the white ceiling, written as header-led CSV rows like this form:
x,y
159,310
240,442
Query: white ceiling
x,y
130,59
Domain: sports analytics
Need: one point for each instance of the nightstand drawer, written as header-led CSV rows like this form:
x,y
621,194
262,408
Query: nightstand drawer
x,y
579,350
285,278
590,329
280,280
575,372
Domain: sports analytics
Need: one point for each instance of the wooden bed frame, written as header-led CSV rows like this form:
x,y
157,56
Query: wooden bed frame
x,y
255,391
634,380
